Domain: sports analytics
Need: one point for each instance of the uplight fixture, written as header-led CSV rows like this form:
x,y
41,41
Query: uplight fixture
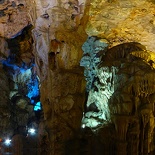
x,y
7,142
32,131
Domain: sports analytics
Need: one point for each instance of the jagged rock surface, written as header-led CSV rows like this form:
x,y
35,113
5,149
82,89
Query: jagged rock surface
x,y
13,17
60,28
59,35
128,109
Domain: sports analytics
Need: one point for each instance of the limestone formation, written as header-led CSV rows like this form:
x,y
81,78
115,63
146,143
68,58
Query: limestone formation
x,y
128,106
91,66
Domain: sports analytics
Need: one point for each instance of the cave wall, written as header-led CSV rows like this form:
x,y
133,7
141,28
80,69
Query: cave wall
x,y
64,32
58,36
19,82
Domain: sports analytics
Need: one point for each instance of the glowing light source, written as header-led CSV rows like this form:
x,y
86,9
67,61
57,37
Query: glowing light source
x,y
7,142
83,126
32,131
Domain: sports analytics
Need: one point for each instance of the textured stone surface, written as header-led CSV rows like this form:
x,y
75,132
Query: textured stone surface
x,y
122,21
17,79
58,36
60,28
121,95
13,17
5,105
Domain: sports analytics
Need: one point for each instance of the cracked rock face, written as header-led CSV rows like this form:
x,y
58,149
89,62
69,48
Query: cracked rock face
x,y
122,21
58,42
13,17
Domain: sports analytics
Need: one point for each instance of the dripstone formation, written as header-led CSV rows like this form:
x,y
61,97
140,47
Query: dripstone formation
x,y
120,105
81,72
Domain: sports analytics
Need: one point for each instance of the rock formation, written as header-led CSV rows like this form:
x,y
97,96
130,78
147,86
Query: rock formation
x,y
121,95
91,66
